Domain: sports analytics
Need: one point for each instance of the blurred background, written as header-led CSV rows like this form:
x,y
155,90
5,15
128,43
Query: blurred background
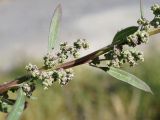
x,y
92,95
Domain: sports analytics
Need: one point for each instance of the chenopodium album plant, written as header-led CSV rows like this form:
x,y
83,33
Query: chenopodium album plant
x,y
58,66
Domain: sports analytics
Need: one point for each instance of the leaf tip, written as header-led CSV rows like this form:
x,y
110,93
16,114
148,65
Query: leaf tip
x,y
150,91
59,7
54,26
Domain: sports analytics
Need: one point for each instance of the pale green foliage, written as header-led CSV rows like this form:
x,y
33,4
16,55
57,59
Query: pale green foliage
x,y
129,78
18,107
54,27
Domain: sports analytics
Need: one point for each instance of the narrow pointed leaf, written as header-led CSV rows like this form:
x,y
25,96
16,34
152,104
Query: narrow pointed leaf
x,y
141,8
123,34
18,106
54,27
128,78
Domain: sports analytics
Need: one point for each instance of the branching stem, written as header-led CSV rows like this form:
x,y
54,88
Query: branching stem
x,y
86,59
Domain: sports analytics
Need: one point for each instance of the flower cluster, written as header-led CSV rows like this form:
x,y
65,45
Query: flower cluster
x,y
65,52
144,24
49,60
64,76
48,77
51,74
33,69
126,56
61,75
156,11
118,56
132,56
142,36
138,38
28,88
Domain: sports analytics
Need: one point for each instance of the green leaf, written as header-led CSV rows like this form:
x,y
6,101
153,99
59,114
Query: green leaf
x,y
123,34
128,78
141,8
55,23
18,106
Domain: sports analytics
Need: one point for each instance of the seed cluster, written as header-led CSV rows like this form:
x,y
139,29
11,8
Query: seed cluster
x,y
51,74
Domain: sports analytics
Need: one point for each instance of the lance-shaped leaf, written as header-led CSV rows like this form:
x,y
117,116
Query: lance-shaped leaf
x,y
141,8
18,106
128,78
123,34
54,27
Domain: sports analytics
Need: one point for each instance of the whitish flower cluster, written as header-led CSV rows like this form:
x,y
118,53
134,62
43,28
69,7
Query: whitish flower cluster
x,y
138,38
49,60
144,24
64,76
48,76
132,56
28,88
65,52
156,11
33,69
61,75
118,56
